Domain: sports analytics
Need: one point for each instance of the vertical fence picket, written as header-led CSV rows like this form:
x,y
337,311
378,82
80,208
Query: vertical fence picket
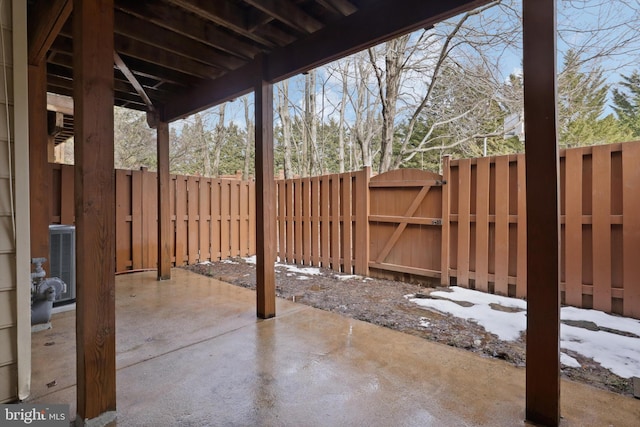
x,y
361,205
347,226
502,226
464,224
149,219
192,223
252,218
482,224
205,219
325,223
306,221
225,218
521,281
234,201
601,200
136,220
335,222
631,229
181,220
244,219
445,242
123,221
290,252
216,219
172,209
297,221
67,214
315,221
282,219
573,227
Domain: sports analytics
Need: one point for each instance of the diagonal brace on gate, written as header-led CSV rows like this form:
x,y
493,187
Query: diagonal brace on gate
x,y
403,224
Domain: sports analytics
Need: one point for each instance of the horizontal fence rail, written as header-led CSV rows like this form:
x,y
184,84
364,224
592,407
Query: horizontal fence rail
x,y
466,227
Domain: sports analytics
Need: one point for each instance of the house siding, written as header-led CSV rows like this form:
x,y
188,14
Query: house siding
x,y
14,268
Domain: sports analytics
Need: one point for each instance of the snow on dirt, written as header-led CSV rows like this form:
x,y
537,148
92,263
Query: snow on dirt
x,y
612,341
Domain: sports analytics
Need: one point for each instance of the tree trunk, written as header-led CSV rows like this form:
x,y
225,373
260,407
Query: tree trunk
x,y
250,138
218,141
285,119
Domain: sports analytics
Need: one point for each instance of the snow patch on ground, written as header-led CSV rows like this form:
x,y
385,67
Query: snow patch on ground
x,y
309,271
569,361
618,353
346,276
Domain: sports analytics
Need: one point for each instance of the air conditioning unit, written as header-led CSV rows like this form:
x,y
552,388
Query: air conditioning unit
x,y
62,260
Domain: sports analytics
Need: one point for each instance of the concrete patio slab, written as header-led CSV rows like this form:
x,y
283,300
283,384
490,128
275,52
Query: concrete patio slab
x,y
190,352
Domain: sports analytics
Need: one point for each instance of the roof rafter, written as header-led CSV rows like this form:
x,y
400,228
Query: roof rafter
x,y
288,13
181,22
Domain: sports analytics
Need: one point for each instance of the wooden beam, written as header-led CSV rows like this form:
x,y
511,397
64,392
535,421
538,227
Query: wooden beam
x,y
60,103
132,79
288,13
224,13
39,172
381,21
342,6
543,225
94,210
265,198
48,18
164,205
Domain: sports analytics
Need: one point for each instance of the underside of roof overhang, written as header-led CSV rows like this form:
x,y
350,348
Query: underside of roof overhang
x,y
182,56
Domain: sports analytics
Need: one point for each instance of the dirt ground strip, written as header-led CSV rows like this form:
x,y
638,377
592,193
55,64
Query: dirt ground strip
x,y
383,302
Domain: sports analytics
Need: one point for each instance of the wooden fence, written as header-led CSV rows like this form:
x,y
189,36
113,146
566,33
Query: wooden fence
x,y
600,226
212,219
467,227
322,221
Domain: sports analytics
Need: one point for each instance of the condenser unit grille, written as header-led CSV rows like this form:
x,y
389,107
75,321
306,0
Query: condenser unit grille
x,y
62,259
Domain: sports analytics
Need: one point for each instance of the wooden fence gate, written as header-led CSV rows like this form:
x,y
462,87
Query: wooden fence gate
x,y
405,224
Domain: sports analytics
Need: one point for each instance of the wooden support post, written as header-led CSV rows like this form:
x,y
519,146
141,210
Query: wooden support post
x,y
39,172
265,199
95,210
543,226
164,202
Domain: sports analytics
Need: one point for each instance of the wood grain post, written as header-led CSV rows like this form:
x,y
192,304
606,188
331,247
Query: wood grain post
x,y
164,202
39,172
265,199
543,227
95,209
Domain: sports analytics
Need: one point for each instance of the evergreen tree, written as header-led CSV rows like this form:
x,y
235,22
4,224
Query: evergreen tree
x,y
626,103
581,101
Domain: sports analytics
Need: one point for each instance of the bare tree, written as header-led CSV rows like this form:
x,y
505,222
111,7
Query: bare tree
x,y
282,107
219,139
365,106
250,138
